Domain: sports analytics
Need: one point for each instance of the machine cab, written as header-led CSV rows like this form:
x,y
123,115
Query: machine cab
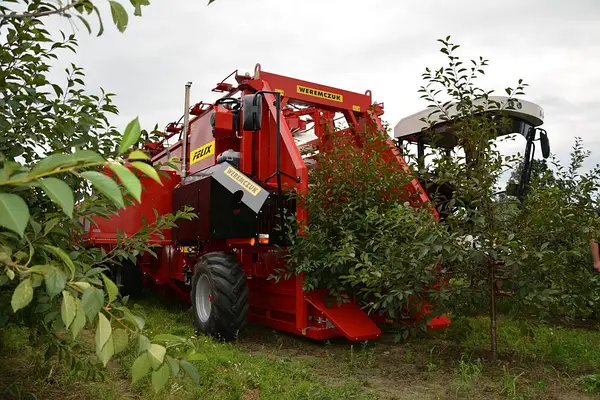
x,y
525,118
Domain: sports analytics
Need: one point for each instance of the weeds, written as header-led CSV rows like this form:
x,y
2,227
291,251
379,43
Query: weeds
x,y
509,384
431,365
591,383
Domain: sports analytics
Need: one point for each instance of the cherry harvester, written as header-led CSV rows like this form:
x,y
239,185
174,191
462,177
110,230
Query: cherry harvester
x,y
239,156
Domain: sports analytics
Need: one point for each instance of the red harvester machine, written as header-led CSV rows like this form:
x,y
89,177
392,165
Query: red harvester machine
x,y
240,155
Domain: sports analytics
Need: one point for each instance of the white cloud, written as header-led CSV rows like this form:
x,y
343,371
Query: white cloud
x,y
381,45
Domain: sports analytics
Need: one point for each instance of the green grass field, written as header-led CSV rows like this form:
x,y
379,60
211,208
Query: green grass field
x,y
536,362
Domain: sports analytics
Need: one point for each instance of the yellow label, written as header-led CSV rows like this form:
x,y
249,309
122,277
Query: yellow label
x,y
319,93
280,91
202,152
356,108
243,181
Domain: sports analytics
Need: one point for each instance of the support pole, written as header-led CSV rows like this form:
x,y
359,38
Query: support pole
x,y
186,125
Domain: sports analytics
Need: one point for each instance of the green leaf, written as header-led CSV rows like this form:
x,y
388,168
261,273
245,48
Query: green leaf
x,y
137,9
120,339
82,285
148,170
107,351
63,256
103,332
134,319
85,23
37,228
111,288
191,371
22,295
87,157
173,364
157,355
79,321
138,155
160,377
92,302
101,27
41,269
68,309
143,344
60,193
55,282
14,213
140,367
106,186
50,163
9,168
130,136
50,225
129,180
119,15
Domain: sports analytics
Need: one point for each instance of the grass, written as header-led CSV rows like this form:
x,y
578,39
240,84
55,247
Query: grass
x,y
536,362
577,351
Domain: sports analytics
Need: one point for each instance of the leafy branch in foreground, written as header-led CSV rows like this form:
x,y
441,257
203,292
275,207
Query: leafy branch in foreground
x,y
62,288
51,280
79,9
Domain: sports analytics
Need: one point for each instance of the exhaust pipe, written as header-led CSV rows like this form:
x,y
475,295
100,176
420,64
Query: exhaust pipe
x,y
186,124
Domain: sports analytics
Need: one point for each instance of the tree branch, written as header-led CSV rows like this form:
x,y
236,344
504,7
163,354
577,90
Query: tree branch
x,y
42,13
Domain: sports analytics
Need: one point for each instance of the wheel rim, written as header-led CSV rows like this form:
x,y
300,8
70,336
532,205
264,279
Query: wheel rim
x,y
203,298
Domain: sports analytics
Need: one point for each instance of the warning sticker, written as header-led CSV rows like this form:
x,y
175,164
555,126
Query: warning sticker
x,y
243,181
202,152
320,94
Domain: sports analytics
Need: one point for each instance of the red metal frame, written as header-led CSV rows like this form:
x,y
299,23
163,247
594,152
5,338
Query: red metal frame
x,y
279,304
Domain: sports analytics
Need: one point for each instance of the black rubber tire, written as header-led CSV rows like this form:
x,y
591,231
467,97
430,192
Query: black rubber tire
x,y
229,307
131,279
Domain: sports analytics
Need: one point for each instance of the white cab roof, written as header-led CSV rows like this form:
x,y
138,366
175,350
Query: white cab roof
x,y
523,110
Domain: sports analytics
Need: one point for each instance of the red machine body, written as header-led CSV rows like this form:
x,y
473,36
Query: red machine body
x,y
231,183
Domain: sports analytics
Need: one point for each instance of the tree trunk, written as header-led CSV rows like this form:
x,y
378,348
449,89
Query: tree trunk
x,y
493,311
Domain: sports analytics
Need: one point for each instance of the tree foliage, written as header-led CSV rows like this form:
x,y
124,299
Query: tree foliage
x,y
62,164
537,251
557,221
367,237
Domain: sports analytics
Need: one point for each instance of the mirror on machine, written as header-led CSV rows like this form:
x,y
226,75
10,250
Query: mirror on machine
x,y
545,144
252,112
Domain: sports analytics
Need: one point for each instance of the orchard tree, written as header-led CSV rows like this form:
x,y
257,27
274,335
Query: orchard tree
x,y
471,209
557,219
363,237
539,246
55,142
366,236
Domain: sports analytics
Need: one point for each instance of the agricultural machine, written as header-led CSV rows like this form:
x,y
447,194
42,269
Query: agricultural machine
x,y
240,156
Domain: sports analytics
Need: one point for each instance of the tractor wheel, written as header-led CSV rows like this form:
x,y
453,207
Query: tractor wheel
x,y
219,296
129,276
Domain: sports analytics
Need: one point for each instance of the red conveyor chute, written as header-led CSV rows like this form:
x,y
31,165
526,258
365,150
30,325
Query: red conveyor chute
x,y
353,322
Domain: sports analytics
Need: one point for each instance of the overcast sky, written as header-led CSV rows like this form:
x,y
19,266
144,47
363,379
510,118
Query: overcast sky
x,y
381,45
